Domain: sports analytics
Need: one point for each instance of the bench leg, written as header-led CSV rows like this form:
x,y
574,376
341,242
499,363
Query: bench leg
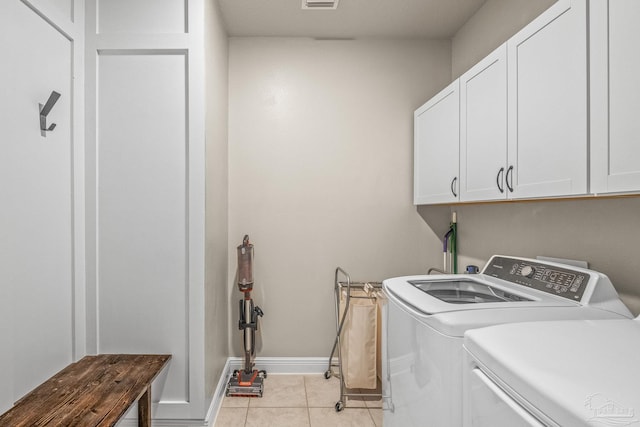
x,y
144,409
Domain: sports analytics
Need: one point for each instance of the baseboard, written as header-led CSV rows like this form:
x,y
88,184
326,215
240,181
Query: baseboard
x,y
133,422
285,365
165,423
218,395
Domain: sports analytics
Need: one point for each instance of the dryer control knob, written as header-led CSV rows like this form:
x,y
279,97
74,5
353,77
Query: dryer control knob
x,y
527,271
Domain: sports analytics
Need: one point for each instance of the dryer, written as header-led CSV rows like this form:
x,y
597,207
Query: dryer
x,y
553,374
427,316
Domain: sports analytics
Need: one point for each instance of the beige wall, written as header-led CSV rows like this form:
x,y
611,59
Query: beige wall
x,y
492,25
216,306
603,232
320,174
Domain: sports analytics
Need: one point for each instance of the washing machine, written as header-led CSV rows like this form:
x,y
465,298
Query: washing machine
x,y
560,374
426,317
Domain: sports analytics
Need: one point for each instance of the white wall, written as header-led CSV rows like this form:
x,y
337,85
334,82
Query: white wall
x,y
320,176
603,232
217,198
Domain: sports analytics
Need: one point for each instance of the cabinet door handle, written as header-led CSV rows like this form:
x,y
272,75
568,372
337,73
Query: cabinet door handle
x,y
453,183
509,179
499,180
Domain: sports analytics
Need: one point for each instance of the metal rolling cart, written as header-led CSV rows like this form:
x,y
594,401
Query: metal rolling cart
x,y
348,286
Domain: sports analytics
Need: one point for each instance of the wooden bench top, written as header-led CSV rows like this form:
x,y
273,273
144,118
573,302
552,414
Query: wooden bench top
x,y
95,391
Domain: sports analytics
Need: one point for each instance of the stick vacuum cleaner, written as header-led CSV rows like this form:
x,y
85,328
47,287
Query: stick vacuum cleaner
x,y
247,382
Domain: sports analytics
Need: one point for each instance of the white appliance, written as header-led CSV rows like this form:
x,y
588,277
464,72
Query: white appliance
x,y
575,373
427,316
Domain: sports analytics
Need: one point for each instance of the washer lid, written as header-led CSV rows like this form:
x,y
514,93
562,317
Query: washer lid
x,y
573,372
535,282
424,294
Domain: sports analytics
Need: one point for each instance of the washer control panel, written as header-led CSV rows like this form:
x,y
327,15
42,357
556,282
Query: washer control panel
x,y
560,281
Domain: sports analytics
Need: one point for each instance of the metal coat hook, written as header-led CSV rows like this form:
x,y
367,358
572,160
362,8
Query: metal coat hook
x,y
44,112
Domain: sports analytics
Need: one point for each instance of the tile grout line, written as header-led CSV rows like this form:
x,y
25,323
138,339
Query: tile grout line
x,y
246,415
306,397
371,416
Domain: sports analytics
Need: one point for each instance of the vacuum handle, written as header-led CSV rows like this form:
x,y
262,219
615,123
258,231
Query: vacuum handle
x,y
249,315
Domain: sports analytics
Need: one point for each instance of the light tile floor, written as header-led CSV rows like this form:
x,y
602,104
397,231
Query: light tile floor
x,y
300,401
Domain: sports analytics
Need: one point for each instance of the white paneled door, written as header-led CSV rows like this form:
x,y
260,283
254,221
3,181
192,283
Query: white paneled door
x,y
145,191
142,210
36,188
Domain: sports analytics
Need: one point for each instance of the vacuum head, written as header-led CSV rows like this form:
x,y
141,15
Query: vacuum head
x,y
242,384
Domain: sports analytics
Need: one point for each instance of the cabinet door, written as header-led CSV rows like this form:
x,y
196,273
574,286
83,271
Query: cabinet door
x,y
436,148
615,96
547,64
36,221
483,128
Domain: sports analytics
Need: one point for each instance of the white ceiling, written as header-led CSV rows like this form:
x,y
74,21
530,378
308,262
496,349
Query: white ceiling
x,y
433,19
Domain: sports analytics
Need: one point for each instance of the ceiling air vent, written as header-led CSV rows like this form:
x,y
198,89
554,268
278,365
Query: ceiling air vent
x,y
320,4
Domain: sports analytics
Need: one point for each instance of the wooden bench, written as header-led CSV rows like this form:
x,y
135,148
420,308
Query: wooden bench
x,y
95,391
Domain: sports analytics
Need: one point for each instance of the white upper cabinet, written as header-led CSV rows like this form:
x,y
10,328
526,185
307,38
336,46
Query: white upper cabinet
x,y
523,117
547,102
436,148
615,96
483,129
